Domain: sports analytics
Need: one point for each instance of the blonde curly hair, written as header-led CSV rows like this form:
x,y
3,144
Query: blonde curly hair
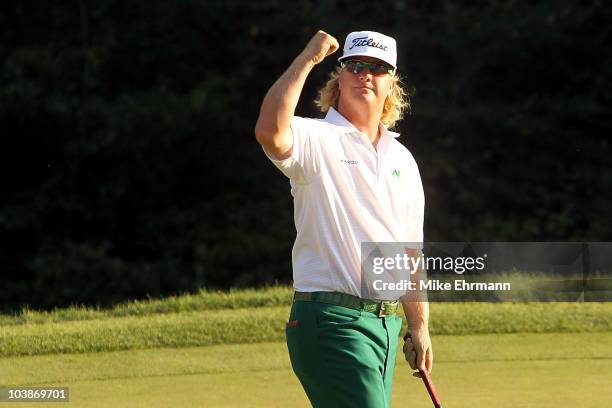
x,y
396,103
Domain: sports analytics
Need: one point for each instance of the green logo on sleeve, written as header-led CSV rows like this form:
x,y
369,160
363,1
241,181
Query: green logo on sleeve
x,y
395,172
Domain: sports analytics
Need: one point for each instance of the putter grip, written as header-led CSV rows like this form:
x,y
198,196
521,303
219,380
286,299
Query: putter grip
x,y
431,389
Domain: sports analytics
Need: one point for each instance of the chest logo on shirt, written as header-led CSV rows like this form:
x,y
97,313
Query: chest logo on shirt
x,y
395,173
351,162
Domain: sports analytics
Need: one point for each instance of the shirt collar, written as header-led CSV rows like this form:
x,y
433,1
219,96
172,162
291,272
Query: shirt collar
x,y
335,118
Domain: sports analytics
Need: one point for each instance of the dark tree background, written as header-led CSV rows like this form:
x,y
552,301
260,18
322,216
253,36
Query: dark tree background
x,y
130,168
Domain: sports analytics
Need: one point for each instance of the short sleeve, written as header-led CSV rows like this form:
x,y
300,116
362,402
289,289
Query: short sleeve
x,y
303,164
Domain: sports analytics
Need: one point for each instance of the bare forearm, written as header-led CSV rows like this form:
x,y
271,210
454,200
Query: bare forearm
x,y
414,302
417,313
278,106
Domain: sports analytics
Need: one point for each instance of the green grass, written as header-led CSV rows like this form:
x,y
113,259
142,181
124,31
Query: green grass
x,y
531,286
226,349
203,301
164,330
501,370
253,316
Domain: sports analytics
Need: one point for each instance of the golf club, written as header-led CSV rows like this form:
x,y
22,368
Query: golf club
x,y
428,384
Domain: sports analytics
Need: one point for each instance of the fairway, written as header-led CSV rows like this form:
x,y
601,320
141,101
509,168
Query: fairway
x,y
496,370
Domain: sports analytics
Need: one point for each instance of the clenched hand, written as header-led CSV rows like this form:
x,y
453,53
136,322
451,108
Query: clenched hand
x,y
320,46
417,350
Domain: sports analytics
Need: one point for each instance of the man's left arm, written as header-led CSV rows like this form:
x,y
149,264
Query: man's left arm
x,y
417,347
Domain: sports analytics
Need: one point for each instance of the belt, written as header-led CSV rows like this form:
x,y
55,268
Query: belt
x,y
381,308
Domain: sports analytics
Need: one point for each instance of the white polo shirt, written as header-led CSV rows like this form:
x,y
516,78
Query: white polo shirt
x,y
346,192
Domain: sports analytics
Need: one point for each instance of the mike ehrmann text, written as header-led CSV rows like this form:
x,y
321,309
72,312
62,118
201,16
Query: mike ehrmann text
x,y
438,285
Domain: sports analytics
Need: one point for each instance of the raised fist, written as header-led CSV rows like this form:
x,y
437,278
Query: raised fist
x,y
320,46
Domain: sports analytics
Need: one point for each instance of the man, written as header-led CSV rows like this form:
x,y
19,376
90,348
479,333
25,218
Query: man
x,y
352,182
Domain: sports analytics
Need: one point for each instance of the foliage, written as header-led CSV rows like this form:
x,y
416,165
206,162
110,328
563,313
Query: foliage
x,y
129,166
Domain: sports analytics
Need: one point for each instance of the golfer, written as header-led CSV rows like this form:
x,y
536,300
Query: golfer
x,y
352,182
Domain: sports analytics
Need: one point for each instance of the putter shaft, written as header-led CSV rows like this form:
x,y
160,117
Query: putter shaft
x,y
431,389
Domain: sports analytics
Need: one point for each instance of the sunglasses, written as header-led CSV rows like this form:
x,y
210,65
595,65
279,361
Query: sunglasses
x,y
356,67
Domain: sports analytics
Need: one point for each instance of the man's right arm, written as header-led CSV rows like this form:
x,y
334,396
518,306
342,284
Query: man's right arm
x,y
278,107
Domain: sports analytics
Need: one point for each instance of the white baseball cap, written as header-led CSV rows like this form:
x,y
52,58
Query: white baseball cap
x,y
370,44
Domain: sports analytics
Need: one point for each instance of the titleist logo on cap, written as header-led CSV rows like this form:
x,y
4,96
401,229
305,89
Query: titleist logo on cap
x,y
367,42
370,44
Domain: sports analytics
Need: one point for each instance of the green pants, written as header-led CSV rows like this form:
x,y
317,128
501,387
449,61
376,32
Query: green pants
x,y
343,357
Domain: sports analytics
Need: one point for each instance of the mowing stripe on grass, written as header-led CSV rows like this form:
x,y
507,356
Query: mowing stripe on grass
x,y
240,358
255,325
205,300
448,316
164,330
